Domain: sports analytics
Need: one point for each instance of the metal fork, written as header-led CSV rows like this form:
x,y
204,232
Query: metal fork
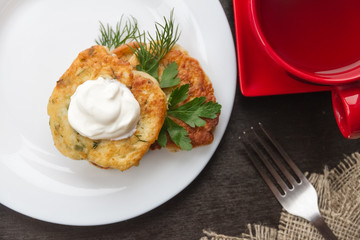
x,y
294,192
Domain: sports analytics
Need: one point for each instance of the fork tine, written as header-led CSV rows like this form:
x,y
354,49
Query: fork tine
x,y
285,156
274,156
268,165
266,178
302,199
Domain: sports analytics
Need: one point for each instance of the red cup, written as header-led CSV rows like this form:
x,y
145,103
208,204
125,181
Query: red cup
x,y
316,41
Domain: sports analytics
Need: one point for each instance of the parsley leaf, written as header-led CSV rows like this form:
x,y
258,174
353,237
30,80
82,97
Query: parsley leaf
x,y
191,112
168,77
178,95
178,134
162,138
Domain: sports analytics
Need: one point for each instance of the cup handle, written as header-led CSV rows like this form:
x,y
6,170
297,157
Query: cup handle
x,y
346,105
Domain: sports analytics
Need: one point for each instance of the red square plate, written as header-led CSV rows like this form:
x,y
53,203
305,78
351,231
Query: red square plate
x,y
259,75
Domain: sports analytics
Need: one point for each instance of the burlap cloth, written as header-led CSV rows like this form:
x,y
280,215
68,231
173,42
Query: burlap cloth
x,y
339,203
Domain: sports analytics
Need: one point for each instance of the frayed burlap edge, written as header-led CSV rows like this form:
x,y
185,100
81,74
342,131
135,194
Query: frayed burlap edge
x,y
255,232
339,203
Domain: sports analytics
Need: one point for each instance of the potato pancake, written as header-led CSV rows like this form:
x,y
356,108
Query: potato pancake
x,y
190,72
122,154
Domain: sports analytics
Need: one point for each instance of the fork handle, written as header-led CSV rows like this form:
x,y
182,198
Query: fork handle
x,y
323,228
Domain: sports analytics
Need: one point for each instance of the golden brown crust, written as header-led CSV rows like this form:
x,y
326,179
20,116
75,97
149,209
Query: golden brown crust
x,y
124,51
190,72
121,154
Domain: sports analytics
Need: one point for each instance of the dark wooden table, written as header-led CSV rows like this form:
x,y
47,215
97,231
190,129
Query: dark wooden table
x,y
229,193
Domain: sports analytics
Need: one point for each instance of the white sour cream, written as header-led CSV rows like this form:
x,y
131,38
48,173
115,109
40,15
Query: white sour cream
x,y
104,109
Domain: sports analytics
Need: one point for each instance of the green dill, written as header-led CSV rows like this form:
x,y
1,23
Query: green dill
x,y
124,31
149,54
78,147
113,72
149,51
95,144
139,138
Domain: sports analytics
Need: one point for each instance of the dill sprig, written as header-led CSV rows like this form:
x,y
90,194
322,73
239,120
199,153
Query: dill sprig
x,y
150,54
123,32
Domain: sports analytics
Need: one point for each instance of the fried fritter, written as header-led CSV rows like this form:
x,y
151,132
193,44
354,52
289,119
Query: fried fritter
x,y
120,154
190,72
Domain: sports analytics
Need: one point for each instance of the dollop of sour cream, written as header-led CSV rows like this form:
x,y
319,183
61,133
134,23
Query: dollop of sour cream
x,y
104,109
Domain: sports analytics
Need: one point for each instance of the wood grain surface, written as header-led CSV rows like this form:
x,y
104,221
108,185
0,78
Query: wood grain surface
x,y
229,193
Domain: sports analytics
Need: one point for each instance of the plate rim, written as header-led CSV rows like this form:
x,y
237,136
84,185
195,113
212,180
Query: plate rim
x,y
221,14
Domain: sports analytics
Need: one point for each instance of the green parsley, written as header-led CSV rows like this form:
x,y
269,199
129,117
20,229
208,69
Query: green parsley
x,y
168,77
177,133
149,56
191,113
178,95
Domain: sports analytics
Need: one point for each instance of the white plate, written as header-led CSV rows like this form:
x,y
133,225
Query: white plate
x,y
38,41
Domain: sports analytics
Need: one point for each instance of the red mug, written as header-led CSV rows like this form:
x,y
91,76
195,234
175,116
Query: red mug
x,y
317,41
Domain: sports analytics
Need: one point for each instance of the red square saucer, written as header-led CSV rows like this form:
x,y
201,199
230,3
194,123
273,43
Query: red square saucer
x,y
259,75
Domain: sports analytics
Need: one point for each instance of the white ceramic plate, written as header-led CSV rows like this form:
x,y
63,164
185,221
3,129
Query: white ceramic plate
x,y
38,41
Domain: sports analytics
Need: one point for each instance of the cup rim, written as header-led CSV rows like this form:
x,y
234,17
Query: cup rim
x,y
335,79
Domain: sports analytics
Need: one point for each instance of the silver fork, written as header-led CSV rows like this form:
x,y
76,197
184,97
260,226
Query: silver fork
x,y
294,192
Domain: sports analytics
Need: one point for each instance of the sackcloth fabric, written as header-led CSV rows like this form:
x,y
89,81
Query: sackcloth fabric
x,y
339,202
